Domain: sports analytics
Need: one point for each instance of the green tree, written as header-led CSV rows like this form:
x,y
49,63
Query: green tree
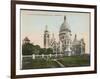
x,y
46,51
49,51
36,49
42,51
27,49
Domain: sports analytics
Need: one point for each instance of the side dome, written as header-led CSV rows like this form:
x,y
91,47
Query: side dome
x,y
64,26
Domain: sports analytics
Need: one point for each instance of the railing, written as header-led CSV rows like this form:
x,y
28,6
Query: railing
x,y
34,56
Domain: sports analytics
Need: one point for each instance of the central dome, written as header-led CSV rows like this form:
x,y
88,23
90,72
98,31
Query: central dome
x,y
64,26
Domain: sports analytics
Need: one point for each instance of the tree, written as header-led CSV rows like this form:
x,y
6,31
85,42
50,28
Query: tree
x,y
42,51
46,51
27,49
36,49
49,51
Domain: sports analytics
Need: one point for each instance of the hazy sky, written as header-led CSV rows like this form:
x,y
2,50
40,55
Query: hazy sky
x,y
33,25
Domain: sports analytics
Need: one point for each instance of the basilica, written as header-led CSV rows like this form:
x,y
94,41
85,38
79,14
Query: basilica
x,y
65,45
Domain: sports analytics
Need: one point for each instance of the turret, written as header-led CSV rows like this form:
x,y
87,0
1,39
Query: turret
x,y
46,37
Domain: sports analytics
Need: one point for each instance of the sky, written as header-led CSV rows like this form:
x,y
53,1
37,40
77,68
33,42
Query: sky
x,y
33,24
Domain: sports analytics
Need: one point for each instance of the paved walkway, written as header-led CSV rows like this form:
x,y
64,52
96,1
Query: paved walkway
x,y
61,65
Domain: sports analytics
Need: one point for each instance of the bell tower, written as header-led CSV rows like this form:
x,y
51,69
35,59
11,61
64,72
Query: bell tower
x,y
46,38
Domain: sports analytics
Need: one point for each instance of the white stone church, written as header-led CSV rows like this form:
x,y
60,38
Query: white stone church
x,y
66,45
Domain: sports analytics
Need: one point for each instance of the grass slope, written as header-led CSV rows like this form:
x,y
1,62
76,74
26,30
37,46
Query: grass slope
x,y
68,61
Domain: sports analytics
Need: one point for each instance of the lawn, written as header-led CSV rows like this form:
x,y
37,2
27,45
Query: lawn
x,y
67,61
39,63
75,61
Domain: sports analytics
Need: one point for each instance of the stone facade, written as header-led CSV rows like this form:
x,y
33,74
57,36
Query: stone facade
x,y
65,45
46,38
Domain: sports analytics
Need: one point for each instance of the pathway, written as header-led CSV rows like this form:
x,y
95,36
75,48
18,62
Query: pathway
x,y
61,65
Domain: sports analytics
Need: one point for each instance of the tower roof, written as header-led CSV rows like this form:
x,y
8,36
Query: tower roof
x,y
26,39
53,38
75,41
64,25
46,28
